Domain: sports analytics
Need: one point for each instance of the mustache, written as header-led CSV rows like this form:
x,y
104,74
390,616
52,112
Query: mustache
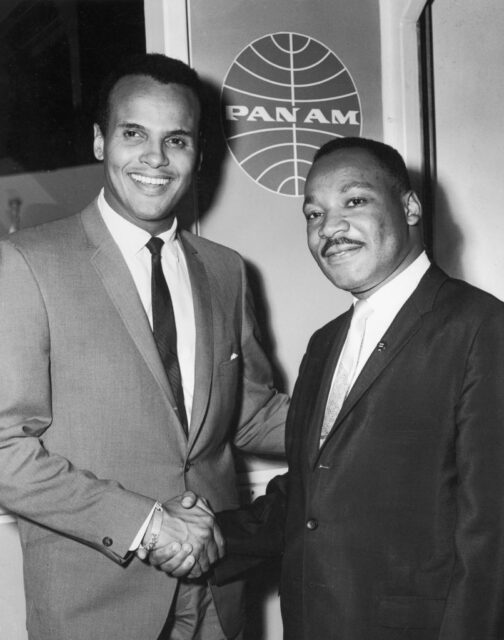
x,y
331,242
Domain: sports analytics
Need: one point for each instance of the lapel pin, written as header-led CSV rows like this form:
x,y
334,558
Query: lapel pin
x,y
382,346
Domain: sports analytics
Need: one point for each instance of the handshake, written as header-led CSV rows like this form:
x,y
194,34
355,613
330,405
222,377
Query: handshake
x,y
189,540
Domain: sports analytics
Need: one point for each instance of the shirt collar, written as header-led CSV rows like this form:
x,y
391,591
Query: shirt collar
x,y
394,294
130,238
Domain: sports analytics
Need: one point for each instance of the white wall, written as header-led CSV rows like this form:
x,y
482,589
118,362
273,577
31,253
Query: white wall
x,y
469,94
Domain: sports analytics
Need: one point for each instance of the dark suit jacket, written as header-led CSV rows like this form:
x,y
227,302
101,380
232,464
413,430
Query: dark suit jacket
x,y
395,527
88,431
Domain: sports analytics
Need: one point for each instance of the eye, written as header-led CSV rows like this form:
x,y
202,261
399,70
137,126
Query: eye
x,y
356,201
312,215
177,142
131,134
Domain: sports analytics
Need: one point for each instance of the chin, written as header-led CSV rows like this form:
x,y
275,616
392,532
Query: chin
x,y
152,215
344,285
341,280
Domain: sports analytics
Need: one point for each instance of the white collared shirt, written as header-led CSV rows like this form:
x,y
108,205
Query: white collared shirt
x,y
131,241
385,305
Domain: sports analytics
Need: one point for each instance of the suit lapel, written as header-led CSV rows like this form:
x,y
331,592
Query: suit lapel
x,y
325,358
204,336
116,278
404,326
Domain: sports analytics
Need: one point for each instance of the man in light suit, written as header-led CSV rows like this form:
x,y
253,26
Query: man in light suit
x,y
391,517
93,431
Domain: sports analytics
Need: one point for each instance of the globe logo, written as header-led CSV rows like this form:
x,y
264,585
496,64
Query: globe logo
x,y
283,96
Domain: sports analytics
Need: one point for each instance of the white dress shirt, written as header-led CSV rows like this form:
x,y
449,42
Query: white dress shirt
x,y
131,240
385,305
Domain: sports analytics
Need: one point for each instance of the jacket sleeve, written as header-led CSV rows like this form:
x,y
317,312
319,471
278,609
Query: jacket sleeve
x,y
475,601
263,410
255,533
34,483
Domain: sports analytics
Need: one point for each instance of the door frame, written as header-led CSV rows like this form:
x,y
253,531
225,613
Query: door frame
x,y
401,78
167,28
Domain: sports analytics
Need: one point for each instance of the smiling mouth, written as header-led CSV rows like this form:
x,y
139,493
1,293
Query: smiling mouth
x,y
149,180
340,248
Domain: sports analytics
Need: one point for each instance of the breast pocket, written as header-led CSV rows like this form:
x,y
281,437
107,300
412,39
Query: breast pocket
x,y
230,366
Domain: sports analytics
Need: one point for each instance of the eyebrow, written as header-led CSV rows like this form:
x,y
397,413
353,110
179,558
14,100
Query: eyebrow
x,y
357,184
130,125
176,132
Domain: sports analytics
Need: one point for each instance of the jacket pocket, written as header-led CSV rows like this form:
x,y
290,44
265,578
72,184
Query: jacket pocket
x,y
409,612
229,365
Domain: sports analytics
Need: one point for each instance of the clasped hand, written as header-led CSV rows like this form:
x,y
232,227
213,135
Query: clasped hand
x,y
190,541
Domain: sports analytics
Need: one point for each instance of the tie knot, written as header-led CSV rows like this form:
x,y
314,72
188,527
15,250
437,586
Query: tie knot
x,y
155,245
362,310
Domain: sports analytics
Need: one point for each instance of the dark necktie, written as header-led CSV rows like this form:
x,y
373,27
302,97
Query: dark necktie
x,y
164,328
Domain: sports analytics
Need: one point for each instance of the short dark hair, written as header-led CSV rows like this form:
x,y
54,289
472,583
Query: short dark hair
x,y
155,65
389,159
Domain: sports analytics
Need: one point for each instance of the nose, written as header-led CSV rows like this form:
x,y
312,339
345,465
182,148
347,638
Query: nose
x,y
334,223
154,154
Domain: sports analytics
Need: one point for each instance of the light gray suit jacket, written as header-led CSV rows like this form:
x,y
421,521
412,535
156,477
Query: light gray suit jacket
x,y
88,433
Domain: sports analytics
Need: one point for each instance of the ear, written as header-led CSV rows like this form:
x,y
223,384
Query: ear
x,y
98,142
412,208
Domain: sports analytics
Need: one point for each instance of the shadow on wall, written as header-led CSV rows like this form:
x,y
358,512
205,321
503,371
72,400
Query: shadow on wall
x,y
262,310
443,238
213,149
449,240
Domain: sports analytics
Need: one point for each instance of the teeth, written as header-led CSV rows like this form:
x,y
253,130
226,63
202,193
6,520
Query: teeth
x,y
147,180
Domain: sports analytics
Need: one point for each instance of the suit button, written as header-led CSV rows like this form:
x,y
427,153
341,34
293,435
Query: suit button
x,y
188,465
311,524
107,542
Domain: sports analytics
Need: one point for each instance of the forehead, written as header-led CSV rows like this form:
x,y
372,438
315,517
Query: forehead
x,y
146,98
344,167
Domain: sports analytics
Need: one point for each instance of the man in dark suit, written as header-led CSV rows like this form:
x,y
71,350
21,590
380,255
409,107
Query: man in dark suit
x,y
102,411
391,517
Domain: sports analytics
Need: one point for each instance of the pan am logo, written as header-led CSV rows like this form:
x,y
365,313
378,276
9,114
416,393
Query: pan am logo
x,y
283,96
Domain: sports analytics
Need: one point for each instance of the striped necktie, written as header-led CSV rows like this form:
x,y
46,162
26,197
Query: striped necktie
x,y
164,327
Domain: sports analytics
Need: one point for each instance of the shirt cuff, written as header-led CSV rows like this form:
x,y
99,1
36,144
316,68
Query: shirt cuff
x,y
141,532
